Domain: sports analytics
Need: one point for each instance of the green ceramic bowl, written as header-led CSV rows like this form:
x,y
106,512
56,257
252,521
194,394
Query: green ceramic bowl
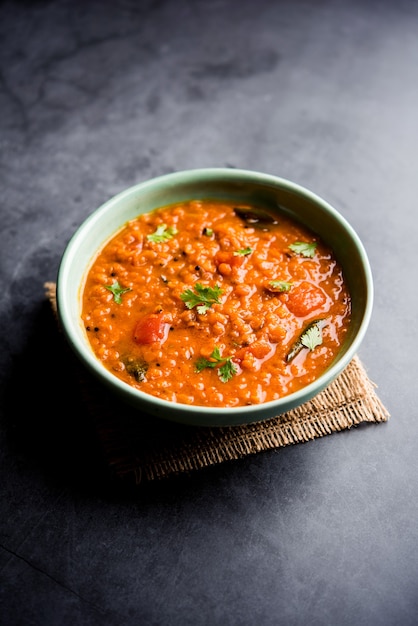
x,y
241,186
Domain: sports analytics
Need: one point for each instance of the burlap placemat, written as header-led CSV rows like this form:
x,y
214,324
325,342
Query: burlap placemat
x,y
139,447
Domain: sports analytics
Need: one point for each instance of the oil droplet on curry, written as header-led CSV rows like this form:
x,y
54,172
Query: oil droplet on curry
x,y
213,304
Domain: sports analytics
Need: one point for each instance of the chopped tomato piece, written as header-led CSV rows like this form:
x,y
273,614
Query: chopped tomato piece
x,y
150,329
305,298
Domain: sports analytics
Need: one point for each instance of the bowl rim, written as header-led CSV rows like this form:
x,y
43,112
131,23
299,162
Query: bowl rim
x,y
178,411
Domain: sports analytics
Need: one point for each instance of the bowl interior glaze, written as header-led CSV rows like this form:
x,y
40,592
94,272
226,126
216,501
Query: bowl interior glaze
x,y
240,186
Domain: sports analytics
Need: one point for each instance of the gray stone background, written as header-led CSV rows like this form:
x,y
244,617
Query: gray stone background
x,y
97,96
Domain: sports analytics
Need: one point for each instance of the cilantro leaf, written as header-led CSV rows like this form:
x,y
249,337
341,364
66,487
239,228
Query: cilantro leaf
x,y
225,366
227,371
304,248
310,338
243,252
203,363
162,233
279,285
117,291
202,297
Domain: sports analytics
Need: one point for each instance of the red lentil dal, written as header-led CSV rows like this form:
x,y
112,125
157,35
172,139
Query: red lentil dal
x,y
144,325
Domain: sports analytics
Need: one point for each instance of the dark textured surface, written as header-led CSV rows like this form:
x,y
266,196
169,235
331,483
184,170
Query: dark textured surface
x,y
96,96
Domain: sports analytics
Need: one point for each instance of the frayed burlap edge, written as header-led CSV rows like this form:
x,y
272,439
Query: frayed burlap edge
x,y
134,450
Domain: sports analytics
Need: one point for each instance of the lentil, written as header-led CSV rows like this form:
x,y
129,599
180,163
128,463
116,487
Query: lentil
x,y
153,340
